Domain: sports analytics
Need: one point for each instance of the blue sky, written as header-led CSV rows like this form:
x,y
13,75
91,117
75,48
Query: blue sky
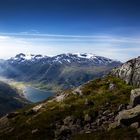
x,y
109,28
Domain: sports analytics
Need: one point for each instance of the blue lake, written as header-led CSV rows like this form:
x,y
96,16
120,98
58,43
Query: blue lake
x,y
35,95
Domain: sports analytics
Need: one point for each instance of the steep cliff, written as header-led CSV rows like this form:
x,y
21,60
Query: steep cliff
x,y
129,71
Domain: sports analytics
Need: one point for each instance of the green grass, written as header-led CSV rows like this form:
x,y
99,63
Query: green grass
x,y
96,91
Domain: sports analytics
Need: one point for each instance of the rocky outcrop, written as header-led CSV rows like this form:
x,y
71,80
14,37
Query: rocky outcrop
x,y
129,71
77,91
135,97
134,125
111,86
86,124
129,117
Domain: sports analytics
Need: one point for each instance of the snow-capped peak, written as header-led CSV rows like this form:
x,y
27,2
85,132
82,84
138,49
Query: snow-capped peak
x,y
22,57
78,58
28,57
32,56
85,55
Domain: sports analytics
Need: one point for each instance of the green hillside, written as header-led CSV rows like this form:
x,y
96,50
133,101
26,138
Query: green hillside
x,y
76,114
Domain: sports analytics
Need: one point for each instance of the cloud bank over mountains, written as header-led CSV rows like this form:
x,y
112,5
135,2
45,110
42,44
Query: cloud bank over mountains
x,y
116,47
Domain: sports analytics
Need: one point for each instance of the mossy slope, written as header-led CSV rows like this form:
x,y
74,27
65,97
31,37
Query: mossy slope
x,y
96,92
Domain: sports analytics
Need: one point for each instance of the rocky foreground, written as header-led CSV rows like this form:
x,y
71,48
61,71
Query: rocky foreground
x,y
89,109
106,108
129,71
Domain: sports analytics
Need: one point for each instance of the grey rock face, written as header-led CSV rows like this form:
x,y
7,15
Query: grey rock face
x,y
111,86
134,125
122,107
87,118
68,120
127,117
129,71
135,97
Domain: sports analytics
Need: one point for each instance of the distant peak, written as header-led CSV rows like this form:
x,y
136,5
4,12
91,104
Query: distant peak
x,y
20,55
85,55
66,58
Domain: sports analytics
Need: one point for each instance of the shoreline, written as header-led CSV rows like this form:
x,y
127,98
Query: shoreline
x,y
20,86
43,90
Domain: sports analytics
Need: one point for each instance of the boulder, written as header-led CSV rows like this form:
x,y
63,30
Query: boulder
x,y
78,122
77,91
87,127
111,115
5,125
111,86
106,112
129,106
12,114
34,131
134,125
94,124
88,132
88,103
60,97
113,125
104,118
34,110
75,129
98,122
87,118
64,131
129,72
122,107
69,120
135,97
127,117
37,108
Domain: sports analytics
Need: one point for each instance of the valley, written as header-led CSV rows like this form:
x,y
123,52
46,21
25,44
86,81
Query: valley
x,y
28,90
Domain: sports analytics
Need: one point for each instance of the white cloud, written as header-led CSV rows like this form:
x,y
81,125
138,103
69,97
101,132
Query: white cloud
x,y
116,47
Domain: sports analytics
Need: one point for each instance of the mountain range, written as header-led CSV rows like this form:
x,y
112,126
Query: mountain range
x,y
63,71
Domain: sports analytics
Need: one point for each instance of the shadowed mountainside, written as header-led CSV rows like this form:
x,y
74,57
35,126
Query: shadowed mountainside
x,y
59,72
10,100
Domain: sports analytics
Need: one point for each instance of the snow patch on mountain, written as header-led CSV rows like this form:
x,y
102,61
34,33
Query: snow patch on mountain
x,y
85,55
64,58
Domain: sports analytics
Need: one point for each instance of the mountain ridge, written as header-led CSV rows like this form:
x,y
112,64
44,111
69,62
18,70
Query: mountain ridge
x,y
63,71
129,71
65,57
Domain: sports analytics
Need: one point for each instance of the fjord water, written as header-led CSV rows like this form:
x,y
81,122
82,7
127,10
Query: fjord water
x,y
35,95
